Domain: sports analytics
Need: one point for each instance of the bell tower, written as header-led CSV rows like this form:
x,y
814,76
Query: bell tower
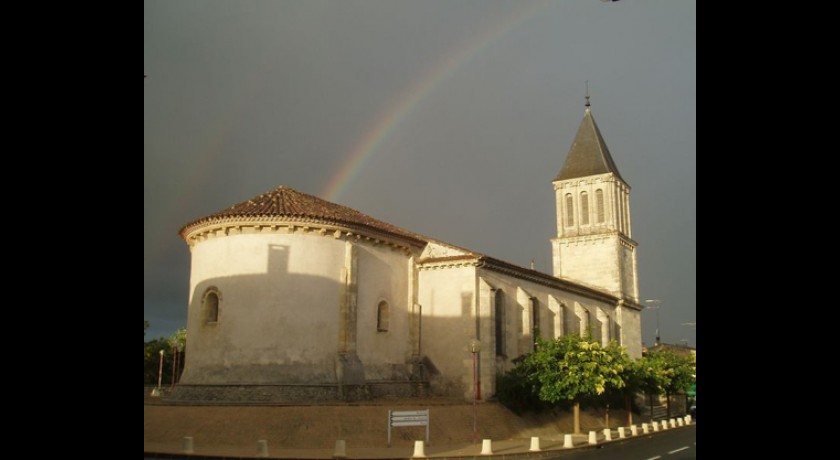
x,y
593,244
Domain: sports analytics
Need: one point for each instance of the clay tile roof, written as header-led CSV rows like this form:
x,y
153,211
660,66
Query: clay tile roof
x,y
589,154
289,203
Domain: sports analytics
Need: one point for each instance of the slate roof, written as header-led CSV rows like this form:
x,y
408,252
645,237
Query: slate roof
x,y
589,154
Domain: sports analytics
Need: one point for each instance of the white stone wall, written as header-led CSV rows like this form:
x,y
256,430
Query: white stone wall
x,y
593,260
279,308
382,276
629,281
631,331
447,297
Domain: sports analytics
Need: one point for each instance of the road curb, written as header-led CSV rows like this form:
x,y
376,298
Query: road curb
x,y
525,455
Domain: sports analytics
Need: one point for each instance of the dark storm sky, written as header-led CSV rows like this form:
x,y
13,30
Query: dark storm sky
x,y
462,112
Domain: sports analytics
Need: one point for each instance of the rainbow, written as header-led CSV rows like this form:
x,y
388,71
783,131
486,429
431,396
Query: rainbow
x,y
408,100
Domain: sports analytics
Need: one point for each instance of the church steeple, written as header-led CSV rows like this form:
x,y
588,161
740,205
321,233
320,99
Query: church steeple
x,y
589,154
594,244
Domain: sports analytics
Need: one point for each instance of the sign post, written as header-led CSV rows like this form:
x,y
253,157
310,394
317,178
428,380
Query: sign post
x,y
408,418
475,347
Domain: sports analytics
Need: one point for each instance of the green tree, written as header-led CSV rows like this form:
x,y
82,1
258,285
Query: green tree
x,y
672,373
680,373
632,384
618,388
650,373
516,390
572,368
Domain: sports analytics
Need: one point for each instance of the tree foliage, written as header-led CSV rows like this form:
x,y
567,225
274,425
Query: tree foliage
x,y
651,372
574,367
664,371
178,340
517,392
680,375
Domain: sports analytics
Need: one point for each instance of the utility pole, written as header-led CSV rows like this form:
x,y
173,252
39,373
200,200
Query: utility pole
x,y
657,304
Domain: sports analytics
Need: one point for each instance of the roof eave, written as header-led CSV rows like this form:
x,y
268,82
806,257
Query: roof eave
x,y
195,227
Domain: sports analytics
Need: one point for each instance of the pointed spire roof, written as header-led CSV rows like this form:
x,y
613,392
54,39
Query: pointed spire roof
x,y
589,154
286,203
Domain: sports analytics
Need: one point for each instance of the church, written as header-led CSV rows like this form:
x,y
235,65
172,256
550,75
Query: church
x,y
294,298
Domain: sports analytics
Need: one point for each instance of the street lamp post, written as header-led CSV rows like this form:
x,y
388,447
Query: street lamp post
x,y
160,369
658,305
657,326
475,347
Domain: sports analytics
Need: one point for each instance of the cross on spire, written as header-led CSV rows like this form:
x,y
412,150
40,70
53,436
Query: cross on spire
x,y
587,94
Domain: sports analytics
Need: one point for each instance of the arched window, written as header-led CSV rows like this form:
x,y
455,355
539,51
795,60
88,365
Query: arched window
x,y
211,307
383,314
570,210
584,208
500,323
599,205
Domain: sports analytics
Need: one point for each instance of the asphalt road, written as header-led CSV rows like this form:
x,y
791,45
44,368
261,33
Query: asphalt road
x,y
674,444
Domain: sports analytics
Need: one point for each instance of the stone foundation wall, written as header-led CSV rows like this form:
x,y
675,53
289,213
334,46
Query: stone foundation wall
x,y
295,394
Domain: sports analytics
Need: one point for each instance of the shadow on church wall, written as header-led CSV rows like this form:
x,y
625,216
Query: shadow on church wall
x,y
277,337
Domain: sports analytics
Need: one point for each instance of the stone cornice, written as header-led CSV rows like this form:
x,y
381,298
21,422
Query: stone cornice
x,y
631,304
589,180
584,238
627,241
238,225
448,262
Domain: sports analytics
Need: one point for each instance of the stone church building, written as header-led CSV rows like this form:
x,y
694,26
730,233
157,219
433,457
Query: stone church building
x,y
296,298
